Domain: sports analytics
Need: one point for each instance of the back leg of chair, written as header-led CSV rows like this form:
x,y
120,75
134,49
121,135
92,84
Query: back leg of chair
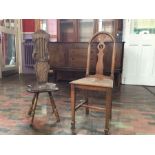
x,y
54,107
108,109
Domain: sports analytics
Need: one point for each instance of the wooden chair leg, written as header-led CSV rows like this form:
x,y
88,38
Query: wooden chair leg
x,y
30,110
54,107
55,75
117,80
111,106
86,99
107,113
73,99
34,107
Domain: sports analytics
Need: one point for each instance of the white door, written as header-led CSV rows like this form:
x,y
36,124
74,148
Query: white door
x,y
139,52
10,45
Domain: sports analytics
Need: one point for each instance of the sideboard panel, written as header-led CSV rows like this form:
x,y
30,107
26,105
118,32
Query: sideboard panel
x,y
68,60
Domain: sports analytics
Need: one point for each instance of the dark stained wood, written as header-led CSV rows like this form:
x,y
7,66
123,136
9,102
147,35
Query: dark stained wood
x,y
40,49
68,30
68,56
54,106
41,57
34,105
98,81
69,60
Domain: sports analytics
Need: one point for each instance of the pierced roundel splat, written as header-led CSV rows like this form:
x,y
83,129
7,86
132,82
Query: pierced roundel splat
x,y
101,46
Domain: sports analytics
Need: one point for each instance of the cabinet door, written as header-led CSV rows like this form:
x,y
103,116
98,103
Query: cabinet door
x,y
113,26
57,55
107,25
86,29
78,59
67,30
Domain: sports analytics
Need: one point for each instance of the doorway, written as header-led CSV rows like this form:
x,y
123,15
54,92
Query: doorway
x,y
9,46
139,52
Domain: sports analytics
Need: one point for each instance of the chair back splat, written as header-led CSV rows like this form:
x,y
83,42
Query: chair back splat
x,y
100,41
40,55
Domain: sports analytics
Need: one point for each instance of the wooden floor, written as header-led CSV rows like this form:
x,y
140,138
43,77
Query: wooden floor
x,y
133,110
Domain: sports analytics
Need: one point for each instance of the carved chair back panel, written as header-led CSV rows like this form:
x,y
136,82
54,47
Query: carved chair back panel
x,y
42,69
40,39
41,56
104,44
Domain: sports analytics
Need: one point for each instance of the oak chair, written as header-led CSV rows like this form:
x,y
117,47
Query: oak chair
x,y
97,82
40,55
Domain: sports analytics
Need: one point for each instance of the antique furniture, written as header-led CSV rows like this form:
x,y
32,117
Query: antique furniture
x,y
68,60
68,54
80,30
40,55
99,81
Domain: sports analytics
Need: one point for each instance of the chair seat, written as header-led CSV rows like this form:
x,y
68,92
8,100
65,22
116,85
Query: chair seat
x,y
46,87
95,80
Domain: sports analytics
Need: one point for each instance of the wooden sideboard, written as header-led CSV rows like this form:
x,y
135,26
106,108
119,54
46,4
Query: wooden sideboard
x,y
68,60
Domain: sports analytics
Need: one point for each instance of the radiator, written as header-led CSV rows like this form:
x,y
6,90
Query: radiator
x,y
28,50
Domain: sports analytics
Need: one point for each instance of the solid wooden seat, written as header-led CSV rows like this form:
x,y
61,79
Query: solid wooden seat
x,y
41,57
97,82
94,80
41,88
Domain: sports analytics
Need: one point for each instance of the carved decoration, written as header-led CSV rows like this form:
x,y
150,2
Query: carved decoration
x,y
99,65
40,55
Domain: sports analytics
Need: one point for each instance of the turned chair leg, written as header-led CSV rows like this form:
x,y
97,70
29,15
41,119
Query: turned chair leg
x,y
108,110
54,107
73,106
34,107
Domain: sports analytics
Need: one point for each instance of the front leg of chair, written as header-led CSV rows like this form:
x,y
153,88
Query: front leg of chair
x,y
30,110
108,109
73,106
34,107
54,107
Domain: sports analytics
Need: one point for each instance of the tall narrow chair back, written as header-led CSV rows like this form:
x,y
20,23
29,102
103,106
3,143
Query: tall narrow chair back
x,y
98,81
40,55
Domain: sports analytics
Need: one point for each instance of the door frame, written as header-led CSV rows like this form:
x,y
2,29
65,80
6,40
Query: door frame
x,y
17,31
139,43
